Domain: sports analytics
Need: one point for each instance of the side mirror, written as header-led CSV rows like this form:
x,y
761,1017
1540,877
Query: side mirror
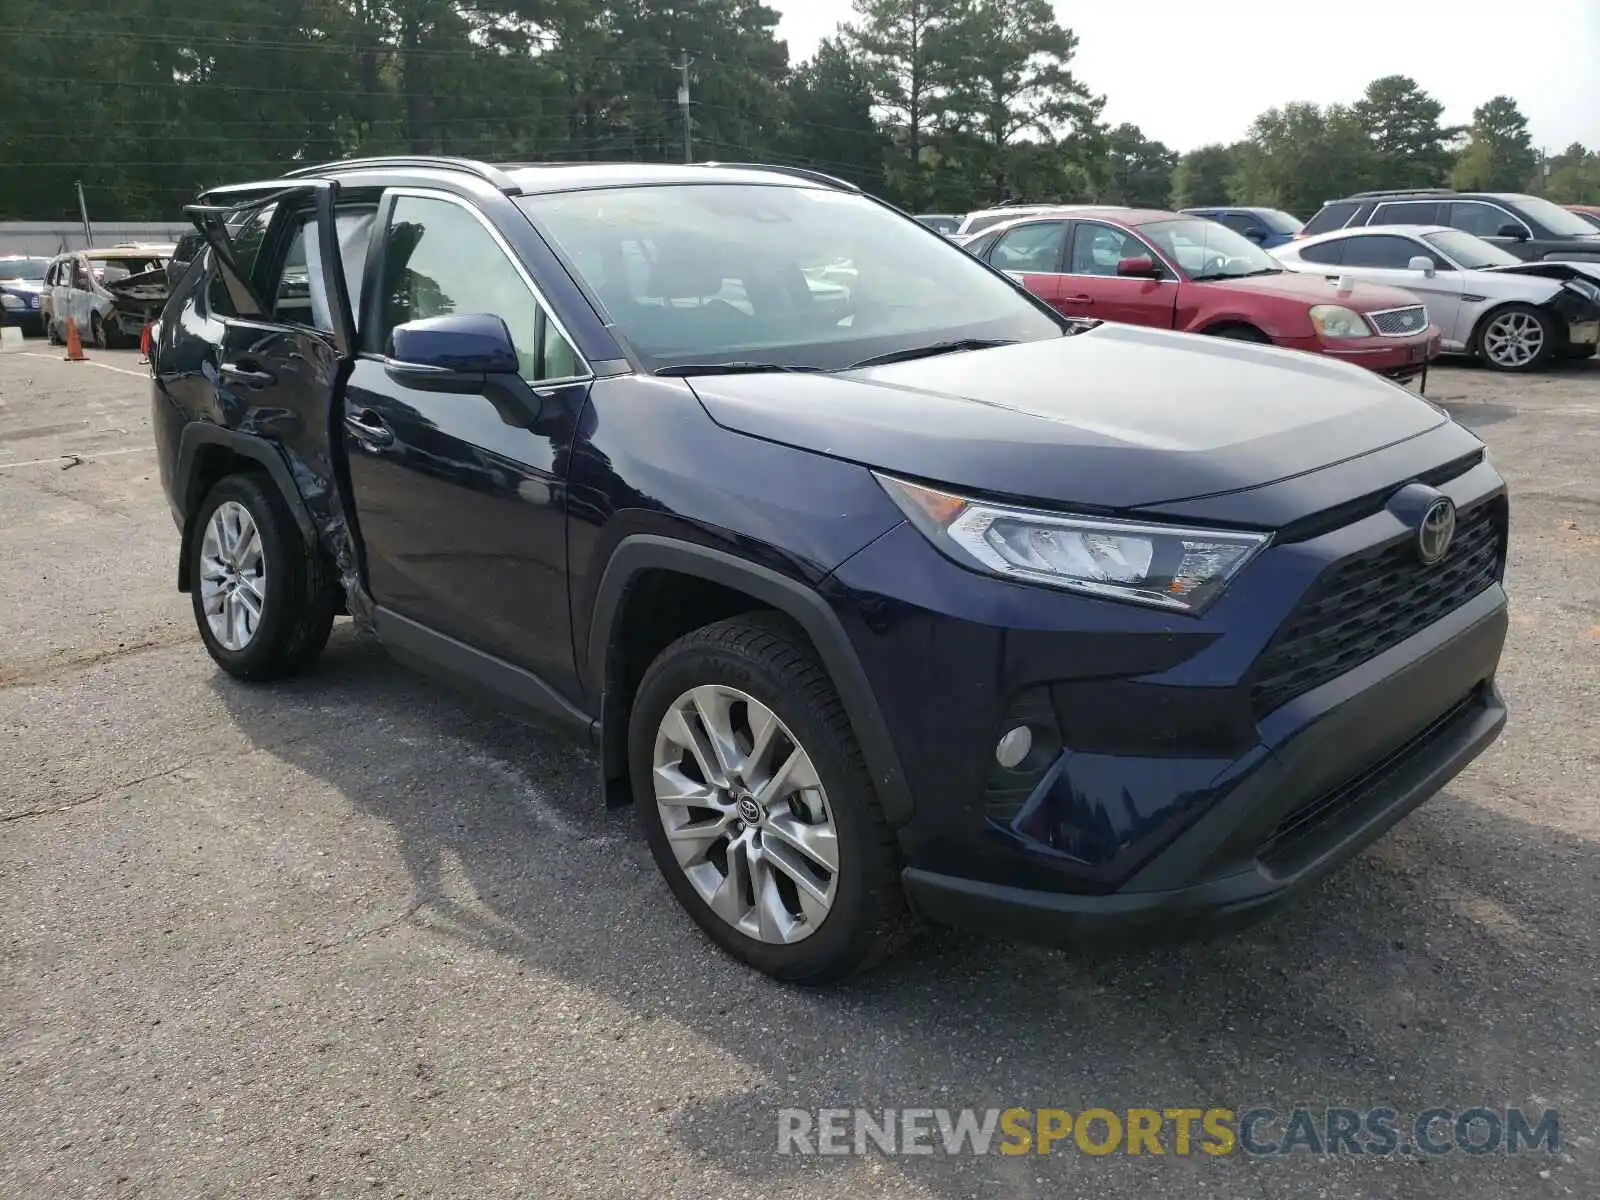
x,y
1423,263
466,353
1256,234
1515,232
458,344
1142,267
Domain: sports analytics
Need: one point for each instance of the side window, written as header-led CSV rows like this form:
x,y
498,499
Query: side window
x,y
1239,222
1097,249
1407,213
1331,217
1331,253
439,259
1483,220
1392,253
1034,248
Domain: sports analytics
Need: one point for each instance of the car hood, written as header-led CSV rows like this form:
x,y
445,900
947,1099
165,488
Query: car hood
x,y
1556,269
21,285
1117,417
1316,289
147,286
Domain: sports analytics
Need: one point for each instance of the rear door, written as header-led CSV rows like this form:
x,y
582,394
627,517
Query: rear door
x,y
461,504
279,320
1032,254
1091,286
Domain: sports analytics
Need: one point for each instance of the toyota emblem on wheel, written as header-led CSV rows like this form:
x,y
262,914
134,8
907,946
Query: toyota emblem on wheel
x,y
1437,528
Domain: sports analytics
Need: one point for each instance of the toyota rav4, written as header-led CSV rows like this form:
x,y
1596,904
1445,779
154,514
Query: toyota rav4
x,y
881,590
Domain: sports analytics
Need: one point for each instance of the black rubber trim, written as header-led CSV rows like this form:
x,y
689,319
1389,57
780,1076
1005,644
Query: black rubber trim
x,y
442,656
646,552
185,489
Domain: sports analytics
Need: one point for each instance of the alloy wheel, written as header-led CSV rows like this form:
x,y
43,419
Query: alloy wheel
x,y
746,814
1513,339
233,575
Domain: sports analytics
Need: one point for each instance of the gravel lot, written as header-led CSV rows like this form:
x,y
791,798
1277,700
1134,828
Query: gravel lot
x,y
353,935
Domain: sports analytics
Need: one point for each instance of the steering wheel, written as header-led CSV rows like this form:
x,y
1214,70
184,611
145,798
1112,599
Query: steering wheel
x,y
1214,264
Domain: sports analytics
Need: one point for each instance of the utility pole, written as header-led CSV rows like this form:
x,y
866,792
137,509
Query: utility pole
x,y
83,211
683,107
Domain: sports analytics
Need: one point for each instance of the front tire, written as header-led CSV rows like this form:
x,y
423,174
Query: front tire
x,y
757,805
97,332
1517,337
262,599
50,337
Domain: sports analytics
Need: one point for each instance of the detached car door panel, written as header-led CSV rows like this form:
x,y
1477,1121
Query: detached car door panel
x,y
460,498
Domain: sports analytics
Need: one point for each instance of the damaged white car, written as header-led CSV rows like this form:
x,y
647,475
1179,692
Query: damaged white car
x,y
1514,315
111,294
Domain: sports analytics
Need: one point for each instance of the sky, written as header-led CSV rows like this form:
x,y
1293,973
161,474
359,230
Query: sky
x,y
1192,73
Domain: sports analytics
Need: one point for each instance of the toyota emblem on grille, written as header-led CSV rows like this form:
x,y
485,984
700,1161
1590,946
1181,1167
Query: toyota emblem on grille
x,y
1437,528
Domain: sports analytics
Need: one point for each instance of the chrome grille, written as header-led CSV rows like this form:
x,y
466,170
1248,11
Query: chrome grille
x,y
1400,322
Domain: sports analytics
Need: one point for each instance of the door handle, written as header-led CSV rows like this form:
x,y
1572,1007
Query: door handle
x,y
248,374
367,426
1077,299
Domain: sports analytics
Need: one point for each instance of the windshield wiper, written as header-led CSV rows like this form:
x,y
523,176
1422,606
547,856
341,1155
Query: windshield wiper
x,y
928,351
733,368
1240,275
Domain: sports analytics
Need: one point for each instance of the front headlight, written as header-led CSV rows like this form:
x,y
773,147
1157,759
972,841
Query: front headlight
x,y
1585,289
1337,321
1161,565
11,303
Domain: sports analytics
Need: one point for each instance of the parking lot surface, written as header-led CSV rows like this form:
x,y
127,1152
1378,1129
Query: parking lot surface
x,y
353,935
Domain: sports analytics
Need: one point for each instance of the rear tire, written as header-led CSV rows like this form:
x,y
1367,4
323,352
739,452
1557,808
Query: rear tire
x,y
263,602
1515,337
757,667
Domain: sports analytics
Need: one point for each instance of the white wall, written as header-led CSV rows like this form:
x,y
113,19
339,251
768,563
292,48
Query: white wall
x,y
52,237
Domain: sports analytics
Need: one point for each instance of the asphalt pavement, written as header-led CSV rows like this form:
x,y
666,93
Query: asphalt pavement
x,y
353,935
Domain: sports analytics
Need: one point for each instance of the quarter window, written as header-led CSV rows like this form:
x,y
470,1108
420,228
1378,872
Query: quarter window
x,y
1034,249
439,259
1331,253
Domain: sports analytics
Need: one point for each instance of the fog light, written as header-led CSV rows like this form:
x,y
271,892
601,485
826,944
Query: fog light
x,y
1013,747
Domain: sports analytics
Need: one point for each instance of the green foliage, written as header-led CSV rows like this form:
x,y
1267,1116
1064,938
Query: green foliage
x,y
1403,122
935,104
1499,156
1201,176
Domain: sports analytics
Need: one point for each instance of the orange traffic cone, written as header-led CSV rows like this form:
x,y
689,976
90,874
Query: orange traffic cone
x,y
144,344
74,343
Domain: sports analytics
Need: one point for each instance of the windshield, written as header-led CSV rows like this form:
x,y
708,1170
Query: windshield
x,y
1279,221
1207,250
719,273
1553,217
23,268
1469,252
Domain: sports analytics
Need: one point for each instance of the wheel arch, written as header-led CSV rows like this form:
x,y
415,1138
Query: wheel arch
x,y
638,557
207,453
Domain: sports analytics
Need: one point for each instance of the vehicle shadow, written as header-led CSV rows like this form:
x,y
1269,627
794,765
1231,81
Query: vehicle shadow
x,y
1453,966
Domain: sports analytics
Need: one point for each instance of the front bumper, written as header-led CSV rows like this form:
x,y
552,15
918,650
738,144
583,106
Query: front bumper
x,y
1175,791
29,319
1400,359
1273,837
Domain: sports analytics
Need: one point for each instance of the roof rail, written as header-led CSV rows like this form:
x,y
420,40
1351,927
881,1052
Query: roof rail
x,y
471,166
1433,191
798,173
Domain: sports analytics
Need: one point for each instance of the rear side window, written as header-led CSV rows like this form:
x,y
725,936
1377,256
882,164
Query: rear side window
x,y
1331,253
1409,212
438,258
1239,222
1382,251
1034,249
1331,217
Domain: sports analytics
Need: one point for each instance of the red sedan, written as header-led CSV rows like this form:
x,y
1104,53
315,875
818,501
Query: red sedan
x,y
1197,276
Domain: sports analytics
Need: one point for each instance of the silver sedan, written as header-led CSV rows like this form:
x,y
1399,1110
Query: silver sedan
x,y
1514,315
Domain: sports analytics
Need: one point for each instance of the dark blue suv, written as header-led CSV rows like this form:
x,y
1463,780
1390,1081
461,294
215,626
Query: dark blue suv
x,y
879,588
